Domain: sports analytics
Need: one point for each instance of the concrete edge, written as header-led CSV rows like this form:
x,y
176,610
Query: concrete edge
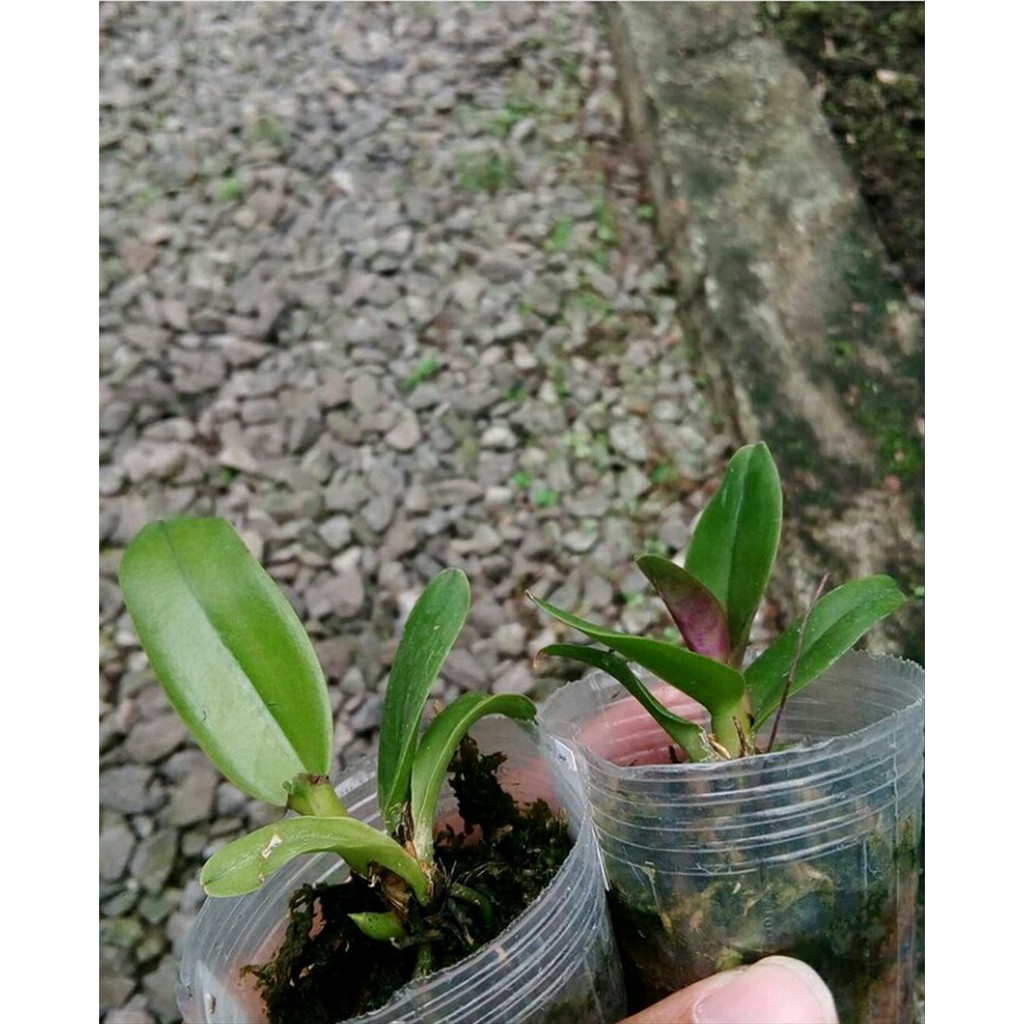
x,y
806,341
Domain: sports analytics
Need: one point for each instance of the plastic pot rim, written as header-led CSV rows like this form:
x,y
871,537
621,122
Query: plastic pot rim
x,y
463,977
803,753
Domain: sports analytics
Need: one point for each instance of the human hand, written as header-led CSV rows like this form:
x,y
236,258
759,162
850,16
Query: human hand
x,y
776,990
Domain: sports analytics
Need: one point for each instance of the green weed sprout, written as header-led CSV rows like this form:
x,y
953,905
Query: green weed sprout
x,y
239,668
713,599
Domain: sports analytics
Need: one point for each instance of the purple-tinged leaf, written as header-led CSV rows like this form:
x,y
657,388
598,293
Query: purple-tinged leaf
x,y
696,611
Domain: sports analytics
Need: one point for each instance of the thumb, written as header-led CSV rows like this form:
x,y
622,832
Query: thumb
x,y
776,990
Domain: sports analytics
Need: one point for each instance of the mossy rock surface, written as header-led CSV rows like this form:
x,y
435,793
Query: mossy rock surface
x,y
809,339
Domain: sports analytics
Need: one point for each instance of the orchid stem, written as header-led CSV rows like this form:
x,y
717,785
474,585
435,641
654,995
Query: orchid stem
x,y
314,795
796,660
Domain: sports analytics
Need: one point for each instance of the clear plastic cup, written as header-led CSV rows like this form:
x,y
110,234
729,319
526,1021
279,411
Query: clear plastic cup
x,y
811,850
556,962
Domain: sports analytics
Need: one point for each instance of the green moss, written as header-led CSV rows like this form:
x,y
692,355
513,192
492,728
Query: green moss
x,y
270,129
561,233
664,473
490,173
146,197
864,277
886,405
424,370
654,546
516,109
606,230
229,189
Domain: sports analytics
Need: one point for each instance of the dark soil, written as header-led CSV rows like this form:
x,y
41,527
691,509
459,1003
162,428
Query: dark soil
x,y
866,63
327,970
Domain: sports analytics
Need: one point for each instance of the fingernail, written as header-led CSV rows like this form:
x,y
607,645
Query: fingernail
x,y
776,990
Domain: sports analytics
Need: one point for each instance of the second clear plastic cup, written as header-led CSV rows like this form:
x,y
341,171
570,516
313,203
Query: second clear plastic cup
x,y
811,850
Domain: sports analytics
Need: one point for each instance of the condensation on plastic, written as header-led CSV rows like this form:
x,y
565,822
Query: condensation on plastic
x,y
851,771
558,956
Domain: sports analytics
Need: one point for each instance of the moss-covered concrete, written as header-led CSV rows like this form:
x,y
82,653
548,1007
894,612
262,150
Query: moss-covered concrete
x,y
806,339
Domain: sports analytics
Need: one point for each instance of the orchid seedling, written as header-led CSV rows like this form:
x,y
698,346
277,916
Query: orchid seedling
x,y
713,599
241,671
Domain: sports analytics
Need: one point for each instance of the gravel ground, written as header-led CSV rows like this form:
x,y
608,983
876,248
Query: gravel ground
x,y
378,284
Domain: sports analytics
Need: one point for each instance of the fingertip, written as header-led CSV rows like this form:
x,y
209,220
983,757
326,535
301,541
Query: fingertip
x,y
776,990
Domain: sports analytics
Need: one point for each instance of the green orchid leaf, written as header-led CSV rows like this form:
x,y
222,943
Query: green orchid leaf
x,y
244,865
437,747
382,927
695,610
433,627
230,652
835,624
736,539
718,687
688,735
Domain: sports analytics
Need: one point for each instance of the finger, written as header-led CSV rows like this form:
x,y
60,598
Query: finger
x,y
776,990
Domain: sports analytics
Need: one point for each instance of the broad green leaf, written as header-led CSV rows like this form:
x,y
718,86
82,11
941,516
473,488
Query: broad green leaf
x,y
434,624
230,652
246,863
736,538
718,687
689,735
695,610
437,747
835,624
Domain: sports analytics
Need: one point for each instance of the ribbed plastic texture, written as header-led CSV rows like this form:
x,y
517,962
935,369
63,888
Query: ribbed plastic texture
x,y
556,962
811,850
